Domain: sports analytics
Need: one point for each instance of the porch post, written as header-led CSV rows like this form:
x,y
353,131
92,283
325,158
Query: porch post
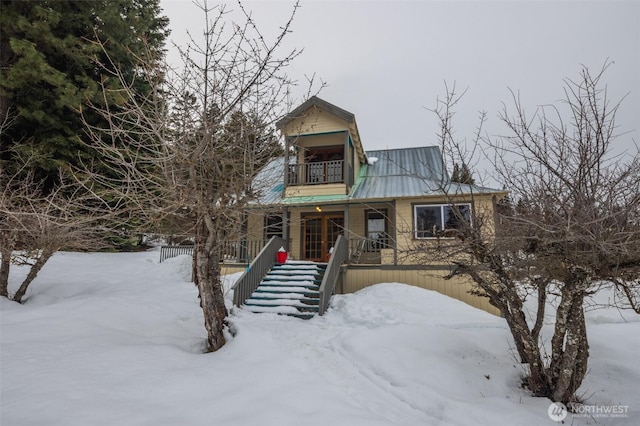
x,y
395,234
285,227
346,222
285,174
345,164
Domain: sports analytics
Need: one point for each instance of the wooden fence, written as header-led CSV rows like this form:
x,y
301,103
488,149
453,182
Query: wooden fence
x,y
167,252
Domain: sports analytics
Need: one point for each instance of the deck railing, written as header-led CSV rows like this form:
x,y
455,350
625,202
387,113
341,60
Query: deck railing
x,y
241,251
338,257
367,250
232,251
317,173
257,269
167,252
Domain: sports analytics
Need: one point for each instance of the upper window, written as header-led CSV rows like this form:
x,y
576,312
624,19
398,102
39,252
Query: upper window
x,y
431,220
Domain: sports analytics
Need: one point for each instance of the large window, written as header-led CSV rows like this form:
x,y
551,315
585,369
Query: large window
x,y
433,220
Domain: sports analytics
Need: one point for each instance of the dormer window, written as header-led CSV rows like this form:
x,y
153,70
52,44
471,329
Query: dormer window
x,y
327,146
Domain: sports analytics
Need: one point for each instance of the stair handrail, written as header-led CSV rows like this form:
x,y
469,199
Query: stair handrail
x,y
257,269
339,255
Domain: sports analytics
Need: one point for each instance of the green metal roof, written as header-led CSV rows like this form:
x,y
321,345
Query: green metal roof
x,y
391,174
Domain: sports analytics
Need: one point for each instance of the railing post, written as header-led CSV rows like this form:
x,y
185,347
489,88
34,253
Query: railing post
x,y
338,257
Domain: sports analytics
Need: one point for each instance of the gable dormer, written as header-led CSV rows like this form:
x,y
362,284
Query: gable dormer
x,y
327,149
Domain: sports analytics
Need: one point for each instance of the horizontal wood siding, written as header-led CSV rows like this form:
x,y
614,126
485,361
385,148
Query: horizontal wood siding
x,y
356,278
234,268
356,221
315,190
315,120
255,225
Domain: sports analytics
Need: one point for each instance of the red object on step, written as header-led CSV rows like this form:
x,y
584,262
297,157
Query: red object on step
x,y
281,256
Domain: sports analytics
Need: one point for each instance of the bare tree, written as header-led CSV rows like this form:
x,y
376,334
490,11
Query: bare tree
x,y
35,224
571,230
190,151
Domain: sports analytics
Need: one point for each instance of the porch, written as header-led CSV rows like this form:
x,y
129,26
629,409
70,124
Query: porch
x,y
348,276
365,251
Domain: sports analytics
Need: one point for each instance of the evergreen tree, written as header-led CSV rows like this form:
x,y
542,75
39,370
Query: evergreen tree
x,y
462,174
55,57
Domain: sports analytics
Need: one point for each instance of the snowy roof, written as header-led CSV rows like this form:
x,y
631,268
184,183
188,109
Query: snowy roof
x,y
390,174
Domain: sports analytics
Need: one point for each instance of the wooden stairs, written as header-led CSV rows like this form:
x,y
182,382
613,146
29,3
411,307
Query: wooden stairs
x,y
290,288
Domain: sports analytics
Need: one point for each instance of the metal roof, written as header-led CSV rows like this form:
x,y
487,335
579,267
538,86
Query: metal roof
x,y
406,172
390,174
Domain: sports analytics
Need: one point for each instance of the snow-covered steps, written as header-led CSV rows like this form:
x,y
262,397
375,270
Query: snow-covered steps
x,y
290,289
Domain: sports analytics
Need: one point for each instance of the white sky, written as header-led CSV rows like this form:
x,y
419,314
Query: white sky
x,y
385,61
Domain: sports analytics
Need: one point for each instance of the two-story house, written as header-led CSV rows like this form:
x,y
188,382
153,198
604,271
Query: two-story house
x,y
380,202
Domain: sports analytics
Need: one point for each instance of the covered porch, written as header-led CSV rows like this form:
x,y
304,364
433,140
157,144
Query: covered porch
x,y
310,231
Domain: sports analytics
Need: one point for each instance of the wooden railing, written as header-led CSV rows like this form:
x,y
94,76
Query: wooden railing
x,y
242,251
317,173
362,250
167,252
338,257
257,269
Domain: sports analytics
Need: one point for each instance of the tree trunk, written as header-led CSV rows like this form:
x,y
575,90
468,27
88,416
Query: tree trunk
x,y
526,344
5,264
33,273
207,279
569,364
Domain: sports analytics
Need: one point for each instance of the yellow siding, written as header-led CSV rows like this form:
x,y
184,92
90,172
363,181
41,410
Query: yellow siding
x,y
358,278
255,225
315,190
315,120
232,268
356,169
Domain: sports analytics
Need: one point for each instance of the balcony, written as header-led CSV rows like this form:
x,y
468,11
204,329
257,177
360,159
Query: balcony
x,y
317,173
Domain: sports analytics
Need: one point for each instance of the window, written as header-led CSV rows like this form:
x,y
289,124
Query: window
x,y
377,235
273,226
431,220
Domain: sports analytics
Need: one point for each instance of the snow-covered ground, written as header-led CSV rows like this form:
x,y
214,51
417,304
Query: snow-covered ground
x,y
117,339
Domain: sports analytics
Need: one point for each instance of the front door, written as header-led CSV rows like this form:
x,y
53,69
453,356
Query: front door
x,y
319,234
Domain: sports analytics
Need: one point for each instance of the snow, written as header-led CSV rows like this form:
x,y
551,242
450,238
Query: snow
x,y
117,339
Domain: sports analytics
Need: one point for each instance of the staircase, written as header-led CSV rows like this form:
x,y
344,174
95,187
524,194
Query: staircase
x,y
289,289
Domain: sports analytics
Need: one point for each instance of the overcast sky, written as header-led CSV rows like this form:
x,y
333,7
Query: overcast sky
x,y
386,61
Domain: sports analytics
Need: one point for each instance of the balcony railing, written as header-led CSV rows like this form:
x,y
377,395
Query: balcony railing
x,y
318,173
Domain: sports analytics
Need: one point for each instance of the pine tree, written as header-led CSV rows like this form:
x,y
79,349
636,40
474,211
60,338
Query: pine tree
x,y
462,174
55,56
